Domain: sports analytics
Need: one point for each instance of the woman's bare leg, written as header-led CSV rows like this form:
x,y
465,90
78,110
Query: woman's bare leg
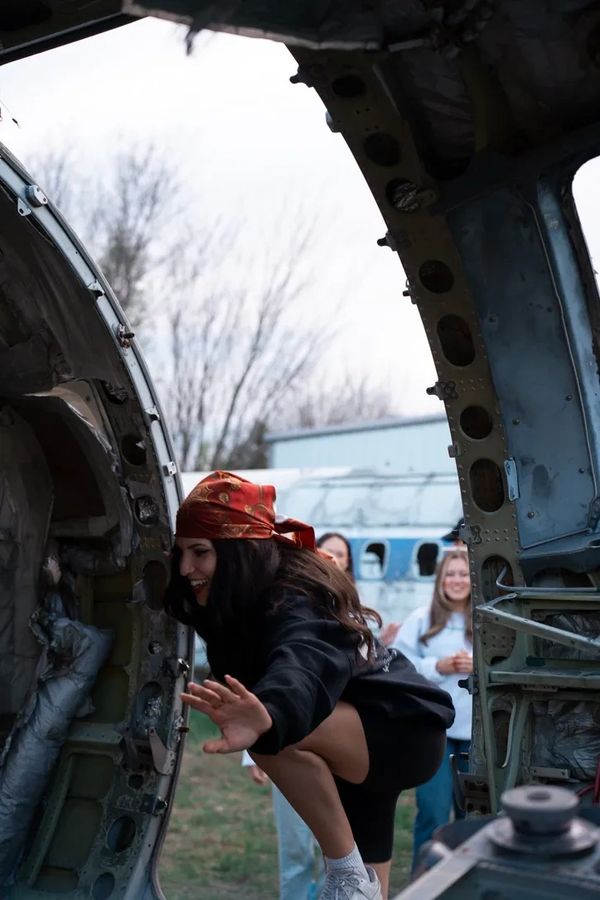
x,y
304,774
306,782
383,873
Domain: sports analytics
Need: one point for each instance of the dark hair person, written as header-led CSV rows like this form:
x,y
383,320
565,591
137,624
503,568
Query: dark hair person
x,y
339,723
335,543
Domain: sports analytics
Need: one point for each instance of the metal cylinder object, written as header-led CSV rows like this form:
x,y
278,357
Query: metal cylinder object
x,y
541,820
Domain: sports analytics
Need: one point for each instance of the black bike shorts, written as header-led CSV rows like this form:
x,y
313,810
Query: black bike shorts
x,y
403,753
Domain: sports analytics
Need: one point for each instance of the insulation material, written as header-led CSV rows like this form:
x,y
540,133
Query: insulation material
x,y
72,656
586,624
567,736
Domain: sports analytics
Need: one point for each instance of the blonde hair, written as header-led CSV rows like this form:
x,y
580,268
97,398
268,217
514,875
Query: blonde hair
x,y
442,608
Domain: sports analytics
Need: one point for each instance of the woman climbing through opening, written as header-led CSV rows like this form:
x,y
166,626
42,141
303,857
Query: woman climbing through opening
x,y
339,723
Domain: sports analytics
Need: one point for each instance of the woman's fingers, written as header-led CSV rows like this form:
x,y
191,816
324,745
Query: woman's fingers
x,y
464,666
213,691
236,686
210,696
220,690
215,713
217,745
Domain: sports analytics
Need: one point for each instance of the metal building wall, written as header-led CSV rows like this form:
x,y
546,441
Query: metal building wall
x,y
410,445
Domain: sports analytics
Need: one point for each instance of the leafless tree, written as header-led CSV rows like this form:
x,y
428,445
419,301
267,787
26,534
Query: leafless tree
x,y
344,397
237,356
134,216
232,343
130,217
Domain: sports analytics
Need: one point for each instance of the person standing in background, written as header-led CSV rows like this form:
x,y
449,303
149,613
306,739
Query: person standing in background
x,y
438,640
339,547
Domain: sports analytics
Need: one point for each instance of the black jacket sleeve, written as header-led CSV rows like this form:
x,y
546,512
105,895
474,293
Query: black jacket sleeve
x,y
308,663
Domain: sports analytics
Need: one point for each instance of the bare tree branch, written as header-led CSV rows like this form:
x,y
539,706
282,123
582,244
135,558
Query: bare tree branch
x,y
235,350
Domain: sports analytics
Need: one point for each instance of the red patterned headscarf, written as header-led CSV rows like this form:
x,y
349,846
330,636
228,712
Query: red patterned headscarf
x,y
223,505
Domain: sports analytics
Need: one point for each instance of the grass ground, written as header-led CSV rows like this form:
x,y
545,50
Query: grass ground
x,y
221,840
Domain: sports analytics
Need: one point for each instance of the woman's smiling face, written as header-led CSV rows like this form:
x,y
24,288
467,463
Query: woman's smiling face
x,y
198,563
456,583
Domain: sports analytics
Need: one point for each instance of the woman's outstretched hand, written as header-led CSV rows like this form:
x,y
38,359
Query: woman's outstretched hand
x,y
238,713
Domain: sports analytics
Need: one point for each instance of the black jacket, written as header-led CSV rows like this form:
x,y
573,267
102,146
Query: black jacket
x,y
300,663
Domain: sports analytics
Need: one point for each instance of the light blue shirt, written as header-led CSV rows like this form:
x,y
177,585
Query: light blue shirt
x,y
425,656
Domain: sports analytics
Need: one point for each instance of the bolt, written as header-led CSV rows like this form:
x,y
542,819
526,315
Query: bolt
x,y
530,514
516,421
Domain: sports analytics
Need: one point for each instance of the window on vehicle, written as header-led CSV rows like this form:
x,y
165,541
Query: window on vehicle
x,y
373,560
427,556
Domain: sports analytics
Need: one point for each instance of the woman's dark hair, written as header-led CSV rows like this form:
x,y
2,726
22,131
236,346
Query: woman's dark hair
x,y
248,569
336,534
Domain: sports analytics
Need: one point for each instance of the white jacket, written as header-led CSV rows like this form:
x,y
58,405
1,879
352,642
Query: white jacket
x,y
424,657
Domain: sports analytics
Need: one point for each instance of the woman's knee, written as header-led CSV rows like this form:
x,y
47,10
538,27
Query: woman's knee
x,y
340,739
339,742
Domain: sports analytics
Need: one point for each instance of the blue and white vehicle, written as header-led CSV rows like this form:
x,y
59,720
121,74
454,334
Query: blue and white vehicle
x,y
394,523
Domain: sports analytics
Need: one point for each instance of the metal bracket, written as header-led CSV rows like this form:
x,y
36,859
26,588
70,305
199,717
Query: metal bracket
x,y
444,390
124,336
410,290
22,207
512,479
151,415
310,75
153,805
388,240
176,666
35,195
169,468
96,288
162,758
550,772
468,684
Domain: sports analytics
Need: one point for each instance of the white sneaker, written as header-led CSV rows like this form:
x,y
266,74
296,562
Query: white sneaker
x,y
350,885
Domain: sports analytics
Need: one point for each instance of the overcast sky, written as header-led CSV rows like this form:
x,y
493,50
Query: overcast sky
x,y
246,143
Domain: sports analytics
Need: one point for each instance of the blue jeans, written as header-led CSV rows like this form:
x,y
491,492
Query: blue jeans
x,y
301,875
435,798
